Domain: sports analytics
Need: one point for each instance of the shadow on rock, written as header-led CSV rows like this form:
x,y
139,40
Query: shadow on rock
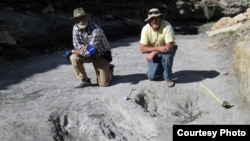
x,y
130,78
188,76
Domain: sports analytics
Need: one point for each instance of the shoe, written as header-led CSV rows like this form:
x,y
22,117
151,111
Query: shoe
x,y
111,68
84,83
170,83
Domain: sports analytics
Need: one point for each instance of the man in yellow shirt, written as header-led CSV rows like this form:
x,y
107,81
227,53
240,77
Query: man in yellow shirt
x,y
158,41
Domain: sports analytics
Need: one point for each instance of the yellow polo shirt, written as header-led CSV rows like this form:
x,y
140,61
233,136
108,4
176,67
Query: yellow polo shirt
x,y
160,38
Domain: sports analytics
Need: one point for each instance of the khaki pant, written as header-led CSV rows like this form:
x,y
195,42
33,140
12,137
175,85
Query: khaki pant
x,y
101,66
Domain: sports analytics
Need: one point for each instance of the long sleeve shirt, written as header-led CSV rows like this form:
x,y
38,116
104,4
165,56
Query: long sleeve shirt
x,y
94,37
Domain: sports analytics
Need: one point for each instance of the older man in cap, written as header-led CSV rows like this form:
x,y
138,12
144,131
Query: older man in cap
x,y
90,46
158,41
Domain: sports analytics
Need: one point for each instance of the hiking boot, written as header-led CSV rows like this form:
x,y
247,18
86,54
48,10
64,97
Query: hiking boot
x,y
84,83
111,68
170,83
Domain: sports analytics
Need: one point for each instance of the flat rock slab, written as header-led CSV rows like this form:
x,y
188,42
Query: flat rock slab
x,y
38,101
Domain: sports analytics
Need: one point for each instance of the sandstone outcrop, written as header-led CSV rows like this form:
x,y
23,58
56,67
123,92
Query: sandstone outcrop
x,y
242,67
237,29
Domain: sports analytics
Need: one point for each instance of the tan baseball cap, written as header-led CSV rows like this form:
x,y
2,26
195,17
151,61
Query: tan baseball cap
x,y
154,12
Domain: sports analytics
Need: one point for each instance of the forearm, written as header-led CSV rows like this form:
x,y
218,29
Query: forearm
x,y
147,49
80,51
159,49
73,51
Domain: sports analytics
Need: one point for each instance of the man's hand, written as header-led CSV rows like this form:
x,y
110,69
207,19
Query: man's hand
x,y
84,48
88,51
165,49
151,55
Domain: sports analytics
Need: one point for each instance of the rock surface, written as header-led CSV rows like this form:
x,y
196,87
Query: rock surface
x,y
38,101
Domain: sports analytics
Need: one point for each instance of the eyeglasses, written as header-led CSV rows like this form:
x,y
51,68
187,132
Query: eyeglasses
x,y
153,12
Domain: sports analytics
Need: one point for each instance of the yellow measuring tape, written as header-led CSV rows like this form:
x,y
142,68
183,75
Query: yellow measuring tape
x,y
223,103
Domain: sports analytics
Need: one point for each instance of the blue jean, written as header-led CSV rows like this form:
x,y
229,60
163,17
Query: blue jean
x,y
161,65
